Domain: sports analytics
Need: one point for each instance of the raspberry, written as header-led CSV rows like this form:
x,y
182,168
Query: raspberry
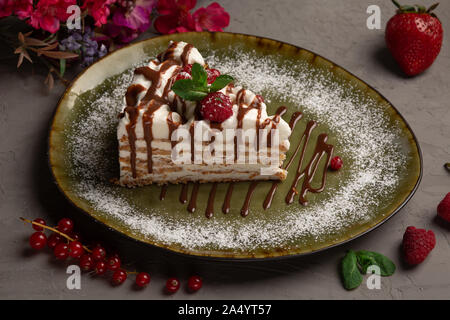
x,y
216,107
443,208
417,244
336,163
183,75
212,75
187,68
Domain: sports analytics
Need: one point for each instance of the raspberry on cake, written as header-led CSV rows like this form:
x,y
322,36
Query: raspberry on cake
x,y
206,117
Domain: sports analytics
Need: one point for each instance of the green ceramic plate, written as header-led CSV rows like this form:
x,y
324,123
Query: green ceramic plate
x,y
382,158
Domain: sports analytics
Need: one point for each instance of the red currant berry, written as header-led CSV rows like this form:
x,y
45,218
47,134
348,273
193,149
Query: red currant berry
x,y
61,251
212,75
98,253
86,262
53,240
113,263
76,249
119,276
100,268
194,283
336,163
142,279
172,285
65,225
75,236
36,227
38,240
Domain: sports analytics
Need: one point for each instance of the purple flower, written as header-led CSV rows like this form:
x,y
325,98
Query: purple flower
x,y
131,20
85,45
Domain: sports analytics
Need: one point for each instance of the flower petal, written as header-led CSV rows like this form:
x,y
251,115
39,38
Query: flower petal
x,y
212,18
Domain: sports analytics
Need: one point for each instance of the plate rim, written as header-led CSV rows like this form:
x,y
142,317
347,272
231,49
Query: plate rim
x,y
273,255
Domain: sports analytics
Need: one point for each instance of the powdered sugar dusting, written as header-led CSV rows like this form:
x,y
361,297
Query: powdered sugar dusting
x,y
363,132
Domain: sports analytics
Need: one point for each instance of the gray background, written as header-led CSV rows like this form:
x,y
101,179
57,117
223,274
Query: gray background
x,y
334,29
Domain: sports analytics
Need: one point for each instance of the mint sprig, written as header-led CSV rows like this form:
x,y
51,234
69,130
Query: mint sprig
x,y
197,88
354,264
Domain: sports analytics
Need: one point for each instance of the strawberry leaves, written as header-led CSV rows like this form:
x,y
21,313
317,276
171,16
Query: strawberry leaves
x,y
414,9
197,88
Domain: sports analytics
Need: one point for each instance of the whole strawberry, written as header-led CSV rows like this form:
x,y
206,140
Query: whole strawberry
x,y
417,244
443,208
414,37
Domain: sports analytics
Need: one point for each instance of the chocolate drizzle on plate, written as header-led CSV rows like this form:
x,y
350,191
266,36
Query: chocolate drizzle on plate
x,y
193,202
227,202
210,207
307,174
162,195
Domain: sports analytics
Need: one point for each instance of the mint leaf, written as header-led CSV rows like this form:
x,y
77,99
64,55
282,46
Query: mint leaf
x,y
221,82
369,258
187,90
194,95
351,276
197,88
199,75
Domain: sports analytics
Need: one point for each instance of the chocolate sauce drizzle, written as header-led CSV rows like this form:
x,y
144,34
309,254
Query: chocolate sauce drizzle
x,y
152,101
193,202
162,195
210,207
184,192
248,197
227,202
308,173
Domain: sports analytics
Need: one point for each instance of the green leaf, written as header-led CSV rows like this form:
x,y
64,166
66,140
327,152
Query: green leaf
x,y
421,8
434,6
199,75
187,90
195,95
368,258
220,82
396,4
62,67
408,9
351,276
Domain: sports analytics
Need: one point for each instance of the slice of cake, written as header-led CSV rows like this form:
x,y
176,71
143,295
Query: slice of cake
x,y
183,121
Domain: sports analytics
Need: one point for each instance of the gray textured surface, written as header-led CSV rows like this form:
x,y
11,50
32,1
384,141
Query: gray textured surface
x,y
334,29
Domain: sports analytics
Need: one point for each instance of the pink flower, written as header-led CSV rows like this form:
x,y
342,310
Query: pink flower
x,y
175,16
138,18
99,10
49,13
23,8
211,18
6,8
128,23
120,34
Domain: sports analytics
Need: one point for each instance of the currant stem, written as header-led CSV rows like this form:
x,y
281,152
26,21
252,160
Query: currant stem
x,y
54,230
